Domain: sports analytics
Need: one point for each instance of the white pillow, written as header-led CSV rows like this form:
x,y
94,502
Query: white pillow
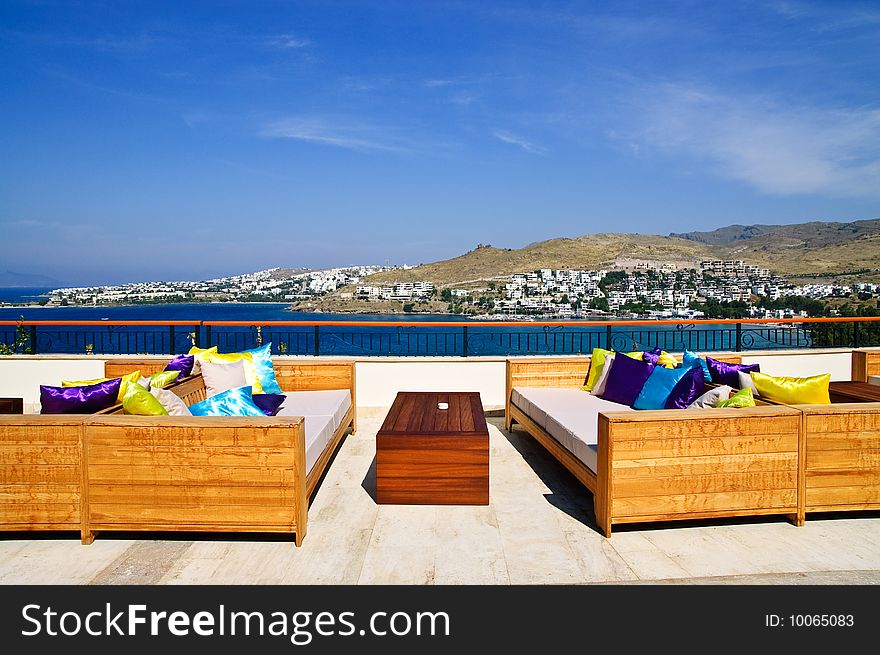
x,y
172,403
746,382
712,397
220,377
599,387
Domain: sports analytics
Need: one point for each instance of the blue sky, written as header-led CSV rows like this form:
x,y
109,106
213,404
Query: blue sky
x,y
187,140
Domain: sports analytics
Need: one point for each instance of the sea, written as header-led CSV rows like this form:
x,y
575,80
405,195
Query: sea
x,y
517,339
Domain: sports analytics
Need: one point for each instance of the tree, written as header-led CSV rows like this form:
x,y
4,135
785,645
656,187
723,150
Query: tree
x,y
600,303
408,307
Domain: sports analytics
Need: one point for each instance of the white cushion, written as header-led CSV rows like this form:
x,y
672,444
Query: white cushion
x,y
712,397
220,377
746,382
333,402
599,387
319,432
874,379
570,416
172,403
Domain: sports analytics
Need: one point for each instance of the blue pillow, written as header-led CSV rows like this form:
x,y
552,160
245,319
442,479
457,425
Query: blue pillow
x,y
658,386
233,402
265,372
691,359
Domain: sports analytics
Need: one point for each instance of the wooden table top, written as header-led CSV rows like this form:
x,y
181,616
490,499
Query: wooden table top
x,y
857,391
416,413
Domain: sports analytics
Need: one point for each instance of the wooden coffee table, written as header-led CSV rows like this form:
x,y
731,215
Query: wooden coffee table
x,y
854,392
431,456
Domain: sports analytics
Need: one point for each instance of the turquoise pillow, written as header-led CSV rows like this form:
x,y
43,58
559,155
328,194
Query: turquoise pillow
x,y
691,359
233,402
265,371
658,386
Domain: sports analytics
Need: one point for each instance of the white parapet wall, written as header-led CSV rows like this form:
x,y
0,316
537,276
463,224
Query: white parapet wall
x,y
21,376
379,380
801,364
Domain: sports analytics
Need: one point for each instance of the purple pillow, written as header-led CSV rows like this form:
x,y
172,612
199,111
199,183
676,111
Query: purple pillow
x,y
79,400
652,356
687,390
182,363
724,373
626,379
269,403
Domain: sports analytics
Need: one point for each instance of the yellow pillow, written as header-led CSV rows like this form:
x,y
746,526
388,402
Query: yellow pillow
x,y
200,354
126,381
667,360
250,369
83,383
742,398
163,378
793,391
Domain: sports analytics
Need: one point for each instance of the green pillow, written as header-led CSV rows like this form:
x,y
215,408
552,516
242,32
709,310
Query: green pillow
x,y
163,379
140,402
597,363
742,398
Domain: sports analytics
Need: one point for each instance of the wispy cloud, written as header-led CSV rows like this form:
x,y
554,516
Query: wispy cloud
x,y
516,140
777,149
288,42
462,99
433,84
337,132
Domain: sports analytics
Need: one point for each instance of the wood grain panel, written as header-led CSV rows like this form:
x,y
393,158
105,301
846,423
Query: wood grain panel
x,y
55,516
171,495
260,476
644,429
843,456
685,447
704,465
703,484
116,368
121,517
780,499
318,376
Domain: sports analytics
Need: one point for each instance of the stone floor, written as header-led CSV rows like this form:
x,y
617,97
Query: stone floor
x,y
539,529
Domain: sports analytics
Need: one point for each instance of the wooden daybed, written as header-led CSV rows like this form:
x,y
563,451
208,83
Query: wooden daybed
x,y
111,471
672,464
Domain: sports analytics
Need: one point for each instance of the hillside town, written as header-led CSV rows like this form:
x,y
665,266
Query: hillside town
x,y
640,289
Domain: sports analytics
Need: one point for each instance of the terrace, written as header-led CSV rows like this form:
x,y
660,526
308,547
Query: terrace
x,y
539,527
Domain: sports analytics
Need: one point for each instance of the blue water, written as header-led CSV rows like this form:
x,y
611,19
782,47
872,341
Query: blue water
x,y
22,294
360,341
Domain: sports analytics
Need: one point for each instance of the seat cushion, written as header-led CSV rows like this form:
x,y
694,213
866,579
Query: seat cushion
x,y
319,432
334,403
570,416
874,379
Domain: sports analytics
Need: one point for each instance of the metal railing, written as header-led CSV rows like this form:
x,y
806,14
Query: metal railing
x,y
436,338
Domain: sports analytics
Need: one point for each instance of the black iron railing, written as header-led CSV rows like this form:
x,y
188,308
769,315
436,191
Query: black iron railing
x,y
433,338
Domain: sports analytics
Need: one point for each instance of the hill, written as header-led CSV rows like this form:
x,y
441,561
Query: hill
x,y
817,250
11,279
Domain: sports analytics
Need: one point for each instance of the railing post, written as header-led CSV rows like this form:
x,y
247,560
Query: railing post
x,y
739,337
464,343
317,341
207,336
170,339
197,342
33,339
855,334
607,337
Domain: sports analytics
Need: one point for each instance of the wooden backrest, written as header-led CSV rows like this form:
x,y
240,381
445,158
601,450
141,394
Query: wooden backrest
x,y
865,363
116,368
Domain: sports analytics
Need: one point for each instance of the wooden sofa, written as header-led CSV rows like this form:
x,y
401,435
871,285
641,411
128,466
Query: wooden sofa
x,y
41,472
111,471
673,464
